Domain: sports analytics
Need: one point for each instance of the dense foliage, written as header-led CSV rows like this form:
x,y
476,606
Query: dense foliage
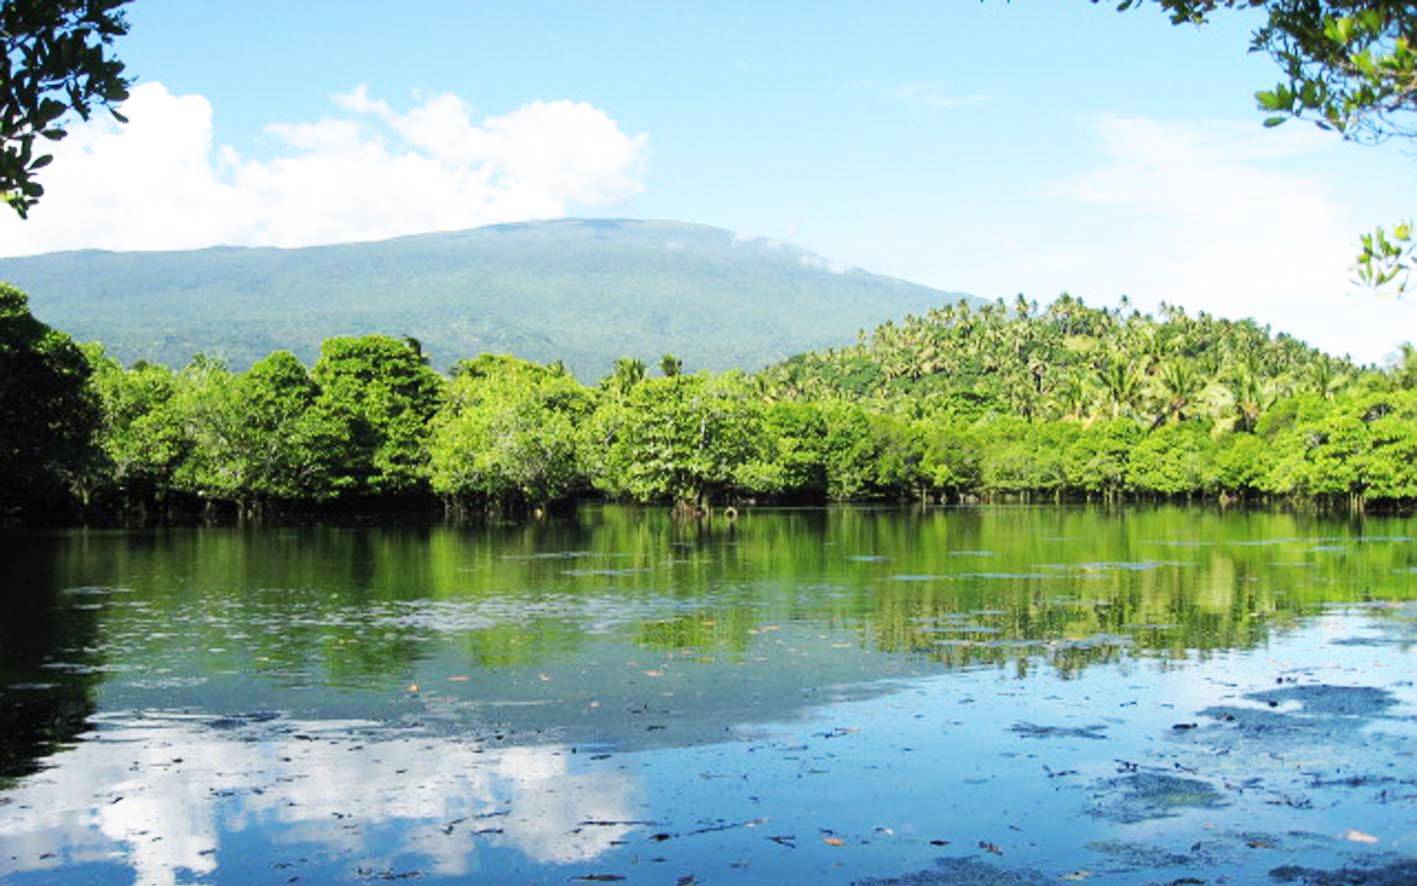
x,y
1350,66
1012,402
48,412
57,59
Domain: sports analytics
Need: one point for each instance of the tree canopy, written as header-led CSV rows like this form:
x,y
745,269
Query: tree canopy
x,y
58,59
1350,66
961,403
48,411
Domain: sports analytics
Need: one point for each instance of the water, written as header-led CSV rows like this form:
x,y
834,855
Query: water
x,y
952,696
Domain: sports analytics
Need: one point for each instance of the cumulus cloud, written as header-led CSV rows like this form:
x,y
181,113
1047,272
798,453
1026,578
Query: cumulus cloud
x,y
1213,217
366,171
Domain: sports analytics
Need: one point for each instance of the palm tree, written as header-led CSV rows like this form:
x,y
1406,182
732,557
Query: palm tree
x,y
1179,384
1253,393
1120,384
1325,376
627,373
1404,366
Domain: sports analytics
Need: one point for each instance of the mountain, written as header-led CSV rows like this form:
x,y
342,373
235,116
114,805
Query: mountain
x,y
582,291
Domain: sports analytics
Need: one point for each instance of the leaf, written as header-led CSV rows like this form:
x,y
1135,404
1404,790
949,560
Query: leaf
x,y
833,841
1271,122
1356,836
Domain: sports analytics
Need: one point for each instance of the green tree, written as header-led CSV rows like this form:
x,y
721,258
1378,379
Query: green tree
x,y
509,438
208,410
288,451
684,439
1096,462
1404,366
796,464
1242,462
1348,65
1173,460
951,457
141,438
58,59
381,395
49,416
626,373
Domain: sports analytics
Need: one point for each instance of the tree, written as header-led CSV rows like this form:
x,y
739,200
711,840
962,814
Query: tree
x,y
57,60
1172,460
141,438
1404,366
684,439
626,373
48,414
509,437
381,393
289,450
1351,67
1097,461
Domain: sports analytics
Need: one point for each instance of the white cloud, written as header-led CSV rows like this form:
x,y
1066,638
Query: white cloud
x,y
369,171
1214,217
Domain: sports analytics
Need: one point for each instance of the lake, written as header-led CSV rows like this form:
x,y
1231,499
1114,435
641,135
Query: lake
x,y
992,695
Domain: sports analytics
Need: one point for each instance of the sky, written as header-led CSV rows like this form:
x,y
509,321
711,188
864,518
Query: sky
x,y
995,148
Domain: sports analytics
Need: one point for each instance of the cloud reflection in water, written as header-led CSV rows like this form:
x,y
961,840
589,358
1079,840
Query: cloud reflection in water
x,y
157,794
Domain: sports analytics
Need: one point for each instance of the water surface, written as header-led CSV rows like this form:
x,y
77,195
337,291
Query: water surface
x,y
994,695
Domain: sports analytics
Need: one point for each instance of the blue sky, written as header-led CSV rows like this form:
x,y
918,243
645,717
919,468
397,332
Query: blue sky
x,y
989,147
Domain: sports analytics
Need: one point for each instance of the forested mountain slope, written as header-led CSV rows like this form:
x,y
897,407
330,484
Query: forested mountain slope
x,y
581,291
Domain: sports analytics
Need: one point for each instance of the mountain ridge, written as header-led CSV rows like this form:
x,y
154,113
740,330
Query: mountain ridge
x,y
584,291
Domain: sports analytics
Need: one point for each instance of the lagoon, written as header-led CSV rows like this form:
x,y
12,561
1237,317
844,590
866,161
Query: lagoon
x,y
961,695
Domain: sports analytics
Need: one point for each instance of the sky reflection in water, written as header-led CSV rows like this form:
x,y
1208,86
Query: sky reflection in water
x,y
844,695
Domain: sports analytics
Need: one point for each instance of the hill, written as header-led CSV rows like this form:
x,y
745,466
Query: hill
x,y
581,291
1071,362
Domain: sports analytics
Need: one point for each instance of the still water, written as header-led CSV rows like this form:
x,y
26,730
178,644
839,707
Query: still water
x,y
992,695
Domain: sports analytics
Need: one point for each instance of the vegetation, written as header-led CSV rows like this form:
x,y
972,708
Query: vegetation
x,y
959,404
48,411
580,291
1350,66
57,60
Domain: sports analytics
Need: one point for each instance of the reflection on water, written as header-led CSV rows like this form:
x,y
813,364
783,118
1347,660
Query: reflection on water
x,y
851,692
166,788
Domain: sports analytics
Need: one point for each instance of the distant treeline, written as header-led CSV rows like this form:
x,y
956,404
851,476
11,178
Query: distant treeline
x,y
1065,403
